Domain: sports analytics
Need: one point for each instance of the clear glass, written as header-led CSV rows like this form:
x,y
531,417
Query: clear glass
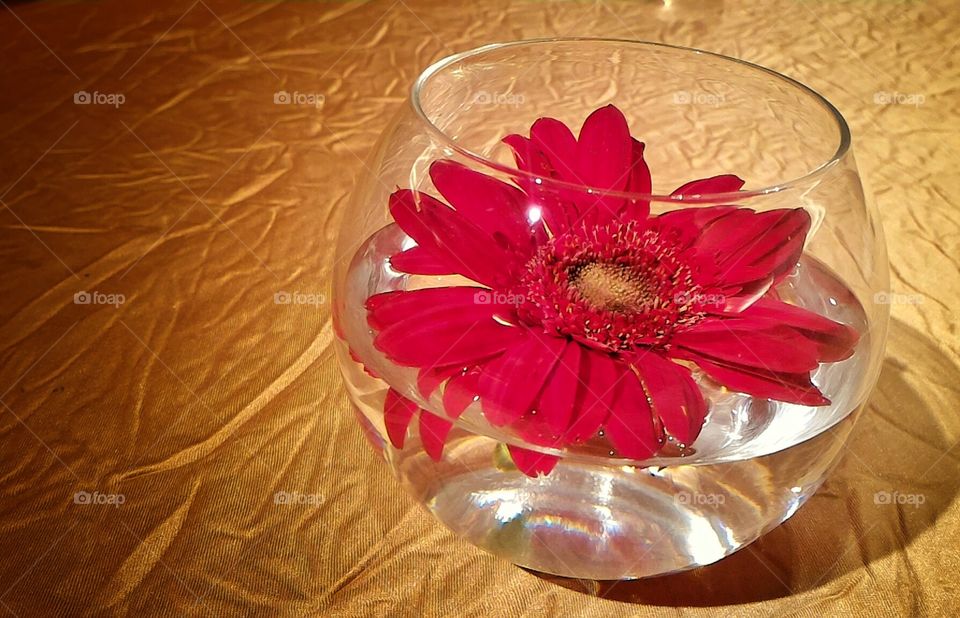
x,y
601,514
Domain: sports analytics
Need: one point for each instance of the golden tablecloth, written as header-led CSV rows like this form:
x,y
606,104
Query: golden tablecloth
x,y
181,398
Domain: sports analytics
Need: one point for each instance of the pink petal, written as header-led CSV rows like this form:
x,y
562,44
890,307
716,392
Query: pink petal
x,y
532,463
558,145
604,156
560,391
429,379
510,384
774,349
789,387
686,224
598,374
460,392
677,400
443,339
391,307
834,341
725,183
557,205
528,157
747,246
630,427
739,298
433,434
452,239
640,182
397,413
493,206
420,261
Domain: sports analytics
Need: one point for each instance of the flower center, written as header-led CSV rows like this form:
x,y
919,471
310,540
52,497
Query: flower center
x,y
614,287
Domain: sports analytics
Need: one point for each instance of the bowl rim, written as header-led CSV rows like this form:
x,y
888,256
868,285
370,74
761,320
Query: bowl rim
x,y
451,143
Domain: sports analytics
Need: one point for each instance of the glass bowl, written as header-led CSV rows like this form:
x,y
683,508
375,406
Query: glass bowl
x,y
609,309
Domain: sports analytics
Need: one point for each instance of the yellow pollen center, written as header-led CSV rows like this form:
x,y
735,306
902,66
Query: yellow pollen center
x,y
612,287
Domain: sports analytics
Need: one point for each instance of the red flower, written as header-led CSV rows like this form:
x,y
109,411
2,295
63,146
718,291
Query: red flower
x,y
589,313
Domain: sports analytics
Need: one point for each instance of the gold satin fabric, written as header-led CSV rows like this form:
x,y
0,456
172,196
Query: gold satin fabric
x,y
185,410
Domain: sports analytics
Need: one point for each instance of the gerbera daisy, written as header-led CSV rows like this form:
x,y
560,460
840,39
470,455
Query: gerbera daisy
x,y
589,314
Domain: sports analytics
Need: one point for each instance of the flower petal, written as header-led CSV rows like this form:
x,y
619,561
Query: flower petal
x,y
395,306
604,157
686,224
493,206
677,400
420,261
453,341
509,385
640,182
630,427
789,387
453,331
460,392
452,239
598,374
397,413
560,391
558,146
834,341
433,434
776,348
748,246
429,379
530,462
724,183
557,206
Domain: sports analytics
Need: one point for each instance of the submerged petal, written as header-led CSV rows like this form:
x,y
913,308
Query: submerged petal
x,y
421,261
433,434
559,394
599,375
676,397
630,426
530,462
509,385
789,387
397,413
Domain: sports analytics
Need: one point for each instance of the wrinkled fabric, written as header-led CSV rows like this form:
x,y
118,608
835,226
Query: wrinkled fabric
x,y
189,450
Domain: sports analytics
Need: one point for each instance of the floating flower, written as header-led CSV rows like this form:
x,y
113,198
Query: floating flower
x,y
589,314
